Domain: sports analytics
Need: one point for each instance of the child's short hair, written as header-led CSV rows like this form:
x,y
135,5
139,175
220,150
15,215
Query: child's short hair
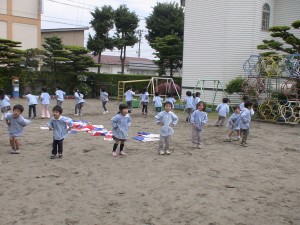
x,y
225,100
248,104
122,106
245,98
168,103
188,93
19,107
156,94
58,109
58,88
129,87
103,89
197,94
44,89
201,103
169,95
236,107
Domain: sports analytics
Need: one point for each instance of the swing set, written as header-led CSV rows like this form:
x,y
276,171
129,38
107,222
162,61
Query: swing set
x,y
152,86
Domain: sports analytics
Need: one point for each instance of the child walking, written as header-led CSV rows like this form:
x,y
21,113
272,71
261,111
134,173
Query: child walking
x,y
198,119
120,125
129,97
32,102
59,125
196,99
79,101
167,120
189,106
233,123
245,122
4,103
45,99
144,100
16,124
169,98
60,96
157,103
104,99
223,110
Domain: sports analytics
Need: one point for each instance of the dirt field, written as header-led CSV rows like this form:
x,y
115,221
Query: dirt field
x,y
222,183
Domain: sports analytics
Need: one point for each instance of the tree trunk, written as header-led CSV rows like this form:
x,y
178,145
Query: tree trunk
x,y
122,58
171,69
99,60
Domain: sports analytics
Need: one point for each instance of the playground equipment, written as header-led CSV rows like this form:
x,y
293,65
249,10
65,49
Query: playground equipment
x,y
151,87
215,86
273,84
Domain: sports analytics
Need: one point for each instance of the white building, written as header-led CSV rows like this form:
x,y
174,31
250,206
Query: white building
x,y
112,65
220,35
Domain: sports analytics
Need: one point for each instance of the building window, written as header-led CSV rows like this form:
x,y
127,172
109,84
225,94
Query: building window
x,y
265,18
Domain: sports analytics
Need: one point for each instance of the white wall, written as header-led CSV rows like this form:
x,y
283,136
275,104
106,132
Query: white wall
x,y
3,6
25,33
25,8
3,29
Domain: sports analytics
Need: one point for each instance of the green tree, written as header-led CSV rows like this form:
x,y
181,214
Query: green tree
x,y
56,58
126,23
102,23
79,60
165,28
33,57
168,50
289,42
10,56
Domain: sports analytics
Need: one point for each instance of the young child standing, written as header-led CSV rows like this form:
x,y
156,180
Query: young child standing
x,y
60,96
233,123
16,124
129,97
198,119
245,122
104,99
120,125
144,100
167,120
45,99
196,99
32,102
242,105
189,107
79,101
157,103
59,125
223,110
4,103
169,98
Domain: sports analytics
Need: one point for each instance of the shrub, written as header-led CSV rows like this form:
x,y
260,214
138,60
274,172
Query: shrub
x,y
235,85
163,88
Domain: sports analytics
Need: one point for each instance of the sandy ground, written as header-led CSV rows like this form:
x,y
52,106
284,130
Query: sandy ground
x,y
222,183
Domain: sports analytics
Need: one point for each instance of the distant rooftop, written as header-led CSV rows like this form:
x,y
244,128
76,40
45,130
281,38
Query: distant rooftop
x,y
64,29
115,60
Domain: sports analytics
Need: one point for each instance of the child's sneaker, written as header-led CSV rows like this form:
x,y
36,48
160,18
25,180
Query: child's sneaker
x,y
194,146
18,151
60,155
52,156
229,140
167,152
199,146
75,114
122,153
237,139
13,151
114,154
245,145
161,152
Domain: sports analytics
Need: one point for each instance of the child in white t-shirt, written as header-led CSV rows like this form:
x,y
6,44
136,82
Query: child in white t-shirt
x,y
223,110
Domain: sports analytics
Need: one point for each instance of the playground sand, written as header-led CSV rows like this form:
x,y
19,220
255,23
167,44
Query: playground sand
x,y
222,183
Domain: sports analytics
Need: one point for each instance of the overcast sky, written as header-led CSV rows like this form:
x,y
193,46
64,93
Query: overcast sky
x,y
76,13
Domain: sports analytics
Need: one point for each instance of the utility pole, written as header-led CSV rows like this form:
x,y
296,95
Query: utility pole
x,y
140,40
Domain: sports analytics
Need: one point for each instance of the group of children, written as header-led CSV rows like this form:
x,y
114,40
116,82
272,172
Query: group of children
x,y
239,121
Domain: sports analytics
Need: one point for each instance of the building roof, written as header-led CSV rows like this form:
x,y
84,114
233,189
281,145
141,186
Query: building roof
x,y
115,60
64,29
